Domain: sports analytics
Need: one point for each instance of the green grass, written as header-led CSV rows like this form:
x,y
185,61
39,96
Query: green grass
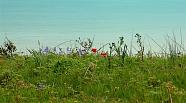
x,y
52,78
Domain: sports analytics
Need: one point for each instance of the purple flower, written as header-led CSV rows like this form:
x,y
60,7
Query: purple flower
x,y
46,49
69,50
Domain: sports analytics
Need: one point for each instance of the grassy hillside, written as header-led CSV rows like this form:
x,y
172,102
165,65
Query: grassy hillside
x,y
51,78
93,77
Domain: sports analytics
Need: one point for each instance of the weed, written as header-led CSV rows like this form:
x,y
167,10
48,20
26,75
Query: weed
x,y
141,46
8,49
120,48
86,44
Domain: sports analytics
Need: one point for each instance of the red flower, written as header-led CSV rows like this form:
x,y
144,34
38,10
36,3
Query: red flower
x,y
103,54
94,50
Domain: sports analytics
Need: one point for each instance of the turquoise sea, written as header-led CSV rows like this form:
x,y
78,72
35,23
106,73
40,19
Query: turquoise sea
x,y
54,21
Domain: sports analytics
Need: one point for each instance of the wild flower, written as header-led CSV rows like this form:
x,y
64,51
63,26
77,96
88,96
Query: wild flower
x,y
46,49
94,50
104,54
69,50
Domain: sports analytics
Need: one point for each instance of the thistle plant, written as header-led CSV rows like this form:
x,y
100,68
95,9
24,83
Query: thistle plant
x,y
141,46
120,48
8,49
86,44
110,55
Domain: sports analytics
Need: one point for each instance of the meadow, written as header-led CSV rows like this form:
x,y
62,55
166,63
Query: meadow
x,y
92,75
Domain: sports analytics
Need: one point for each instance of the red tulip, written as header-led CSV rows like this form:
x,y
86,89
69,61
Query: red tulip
x,y
94,50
